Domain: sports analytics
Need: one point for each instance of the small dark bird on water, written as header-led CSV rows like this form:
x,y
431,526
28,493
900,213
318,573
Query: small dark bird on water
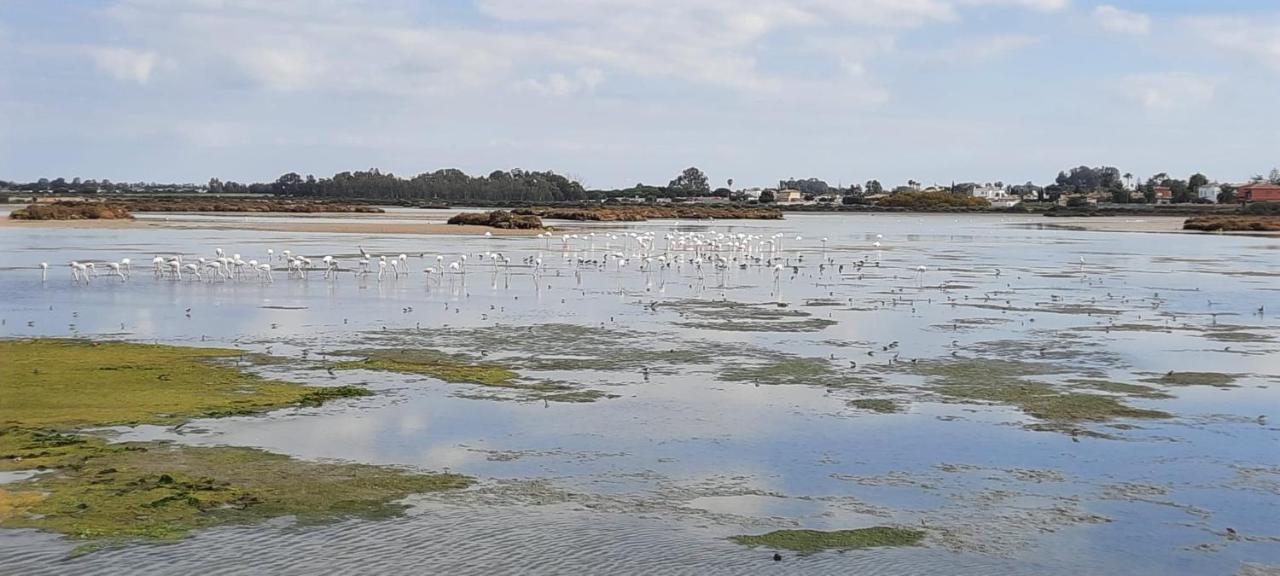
x,y
777,557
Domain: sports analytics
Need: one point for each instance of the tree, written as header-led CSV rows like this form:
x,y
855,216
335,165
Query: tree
x,y
729,182
691,181
1227,194
808,186
1128,179
767,197
287,183
873,188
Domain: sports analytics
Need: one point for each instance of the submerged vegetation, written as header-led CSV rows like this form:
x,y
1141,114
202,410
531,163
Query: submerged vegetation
x,y
450,368
458,369
164,491
96,490
1005,382
880,405
1195,379
809,541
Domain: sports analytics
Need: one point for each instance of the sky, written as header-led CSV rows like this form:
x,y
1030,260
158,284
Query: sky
x,y
616,92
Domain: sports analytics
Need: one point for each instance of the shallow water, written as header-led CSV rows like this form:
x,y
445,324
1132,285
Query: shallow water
x,y
656,479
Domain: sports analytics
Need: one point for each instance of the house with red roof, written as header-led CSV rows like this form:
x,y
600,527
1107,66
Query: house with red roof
x,y
1258,192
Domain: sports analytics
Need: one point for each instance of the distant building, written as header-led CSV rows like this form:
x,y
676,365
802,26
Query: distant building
x,y
989,192
752,193
707,200
1258,192
789,196
1164,195
1209,192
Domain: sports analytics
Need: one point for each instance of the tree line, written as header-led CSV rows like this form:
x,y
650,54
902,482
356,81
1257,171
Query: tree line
x,y
521,186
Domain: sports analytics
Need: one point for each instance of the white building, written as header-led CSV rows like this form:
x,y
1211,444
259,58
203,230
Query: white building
x,y
789,197
1209,192
752,193
990,192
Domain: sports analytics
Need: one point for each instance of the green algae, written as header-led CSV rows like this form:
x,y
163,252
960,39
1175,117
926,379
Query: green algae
x,y
809,541
791,371
1134,390
450,368
880,405
459,369
1004,382
67,384
162,491
319,396
1044,402
1216,379
95,490
805,325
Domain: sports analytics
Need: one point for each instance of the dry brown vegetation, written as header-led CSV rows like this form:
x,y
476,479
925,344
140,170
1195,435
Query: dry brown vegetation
x,y
1233,223
243,205
498,219
68,210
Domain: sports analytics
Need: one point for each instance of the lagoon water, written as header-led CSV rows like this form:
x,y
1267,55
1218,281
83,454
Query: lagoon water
x,y
655,474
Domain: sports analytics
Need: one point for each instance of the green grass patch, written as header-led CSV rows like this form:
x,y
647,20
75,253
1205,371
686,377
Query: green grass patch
x,y
1172,378
809,541
68,384
1005,382
454,369
163,491
789,371
881,405
113,492
1135,390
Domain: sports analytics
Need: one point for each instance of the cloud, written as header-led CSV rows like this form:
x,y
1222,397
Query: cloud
x,y
1170,92
1039,5
1122,21
982,48
559,84
1258,39
124,64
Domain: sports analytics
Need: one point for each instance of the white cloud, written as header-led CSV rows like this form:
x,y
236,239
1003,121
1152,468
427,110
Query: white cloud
x,y
1170,92
583,80
982,48
1122,21
1258,39
1040,5
281,68
125,64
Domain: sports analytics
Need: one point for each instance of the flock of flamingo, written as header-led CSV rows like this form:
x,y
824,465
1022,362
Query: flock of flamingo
x,y
647,252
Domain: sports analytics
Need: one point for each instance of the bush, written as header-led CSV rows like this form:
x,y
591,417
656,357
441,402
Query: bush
x,y
1264,208
66,210
932,201
498,219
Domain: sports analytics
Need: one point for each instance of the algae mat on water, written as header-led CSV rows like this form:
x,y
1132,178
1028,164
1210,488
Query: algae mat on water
x,y
93,489
807,541
66,384
164,491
